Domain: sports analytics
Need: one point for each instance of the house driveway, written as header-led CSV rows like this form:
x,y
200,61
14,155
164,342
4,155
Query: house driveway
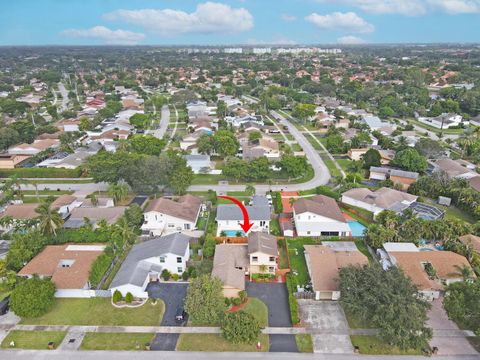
x,y
327,319
282,343
172,294
275,296
447,337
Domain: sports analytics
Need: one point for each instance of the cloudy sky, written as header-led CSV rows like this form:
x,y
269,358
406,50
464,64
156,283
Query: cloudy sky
x,y
253,22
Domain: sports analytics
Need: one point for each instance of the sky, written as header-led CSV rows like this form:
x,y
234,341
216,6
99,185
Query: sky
x,y
246,22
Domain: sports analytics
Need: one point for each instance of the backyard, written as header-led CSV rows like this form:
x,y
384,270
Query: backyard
x,y
98,311
298,265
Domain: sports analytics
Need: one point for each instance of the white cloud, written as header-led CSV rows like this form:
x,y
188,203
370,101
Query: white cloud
x,y
350,40
288,18
412,7
119,37
208,17
348,21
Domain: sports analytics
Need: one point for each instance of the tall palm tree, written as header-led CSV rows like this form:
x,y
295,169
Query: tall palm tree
x,y
125,231
118,191
464,271
49,219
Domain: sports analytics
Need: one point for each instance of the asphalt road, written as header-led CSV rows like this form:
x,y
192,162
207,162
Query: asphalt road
x,y
164,120
322,175
155,355
65,99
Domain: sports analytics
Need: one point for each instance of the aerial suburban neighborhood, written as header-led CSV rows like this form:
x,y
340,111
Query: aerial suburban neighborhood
x,y
248,194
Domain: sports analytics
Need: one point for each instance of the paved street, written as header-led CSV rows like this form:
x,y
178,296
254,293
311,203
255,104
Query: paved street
x,y
283,343
65,100
164,121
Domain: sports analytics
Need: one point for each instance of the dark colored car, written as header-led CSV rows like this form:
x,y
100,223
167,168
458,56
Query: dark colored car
x,y
180,315
4,305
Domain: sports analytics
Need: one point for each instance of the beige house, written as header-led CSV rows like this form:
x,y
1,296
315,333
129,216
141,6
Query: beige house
x,y
232,263
10,161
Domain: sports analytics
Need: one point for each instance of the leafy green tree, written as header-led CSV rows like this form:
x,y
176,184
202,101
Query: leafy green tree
x,y
209,246
204,302
410,160
235,168
32,297
335,144
140,121
388,300
125,231
462,303
240,327
250,190
8,137
371,158
117,296
293,166
254,135
146,144
23,247
118,192
205,144
428,148
303,111
134,215
25,130
225,143
376,235
259,169
49,219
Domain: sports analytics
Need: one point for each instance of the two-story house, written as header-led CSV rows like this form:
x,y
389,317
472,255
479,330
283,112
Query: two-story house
x,y
146,261
319,216
229,217
262,253
165,216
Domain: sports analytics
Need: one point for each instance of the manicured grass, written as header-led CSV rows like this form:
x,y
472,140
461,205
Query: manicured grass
x,y
32,339
116,341
454,212
53,182
47,192
372,345
237,193
344,163
362,247
259,310
40,173
215,342
206,179
98,311
331,167
202,222
296,252
275,227
245,200
356,323
304,343
283,253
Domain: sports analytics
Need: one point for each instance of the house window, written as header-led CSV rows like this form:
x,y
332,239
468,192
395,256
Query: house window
x,y
179,259
254,258
162,259
187,226
180,270
262,223
272,258
65,263
171,225
308,232
271,269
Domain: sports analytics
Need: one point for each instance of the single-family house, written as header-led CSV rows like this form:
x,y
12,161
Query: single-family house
x,y
35,147
18,213
65,203
263,253
200,164
319,216
146,261
398,177
454,169
163,216
324,262
68,266
94,215
385,155
378,200
229,217
471,241
10,161
443,121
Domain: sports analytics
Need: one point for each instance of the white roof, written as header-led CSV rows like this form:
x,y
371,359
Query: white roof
x,y
404,247
85,248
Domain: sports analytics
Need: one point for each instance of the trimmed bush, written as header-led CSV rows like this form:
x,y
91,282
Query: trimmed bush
x,y
128,298
243,296
41,173
185,276
99,268
236,301
165,275
240,327
32,297
292,302
117,296
175,277
228,302
327,191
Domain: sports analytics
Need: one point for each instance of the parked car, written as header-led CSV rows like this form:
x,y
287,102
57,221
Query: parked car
x,y
4,305
180,315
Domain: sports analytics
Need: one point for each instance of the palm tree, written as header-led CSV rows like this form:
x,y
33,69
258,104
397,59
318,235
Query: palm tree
x,y
464,271
49,219
125,231
94,199
118,191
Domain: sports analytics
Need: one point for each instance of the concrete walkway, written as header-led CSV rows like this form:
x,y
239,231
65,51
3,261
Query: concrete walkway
x,y
72,340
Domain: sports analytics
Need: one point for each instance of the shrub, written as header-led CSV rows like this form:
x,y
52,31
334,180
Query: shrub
x,y
175,277
99,268
209,246
185,276
236,301
117,296
128,298
240,327
165,275
32,297
292,302
192,272
228,302
277,202
243,296
325,190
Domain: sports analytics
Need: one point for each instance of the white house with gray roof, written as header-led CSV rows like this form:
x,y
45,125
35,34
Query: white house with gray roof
x,y
147,260
229,217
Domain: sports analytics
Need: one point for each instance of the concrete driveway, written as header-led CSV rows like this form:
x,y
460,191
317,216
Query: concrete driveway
x,y
275,296
172,295
447,337
328,324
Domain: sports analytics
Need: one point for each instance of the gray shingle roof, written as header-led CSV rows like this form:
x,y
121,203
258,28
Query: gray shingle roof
x,y
233,212
262,242
134,270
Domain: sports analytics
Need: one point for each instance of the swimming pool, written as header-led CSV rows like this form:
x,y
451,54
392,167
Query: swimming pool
x,y
356,227
233,233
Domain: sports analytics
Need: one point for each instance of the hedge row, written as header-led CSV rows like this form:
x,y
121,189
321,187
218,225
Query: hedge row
x,y
292,300
99,268
277,202
327,191
41,173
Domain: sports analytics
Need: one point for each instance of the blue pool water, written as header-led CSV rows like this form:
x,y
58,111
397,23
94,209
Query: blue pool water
x,y
356,227
233,233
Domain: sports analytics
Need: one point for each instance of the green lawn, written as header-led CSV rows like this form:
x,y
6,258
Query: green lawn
x,y
283,254
275,227
297,259
215,342
344,163
304,343
116,341
259,310
245,200
47,192
98,311
372,345
331,167
32,339
362,247
206,179
355,323
454,212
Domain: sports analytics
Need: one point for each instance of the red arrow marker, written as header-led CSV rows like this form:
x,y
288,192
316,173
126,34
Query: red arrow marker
x,y
246,221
